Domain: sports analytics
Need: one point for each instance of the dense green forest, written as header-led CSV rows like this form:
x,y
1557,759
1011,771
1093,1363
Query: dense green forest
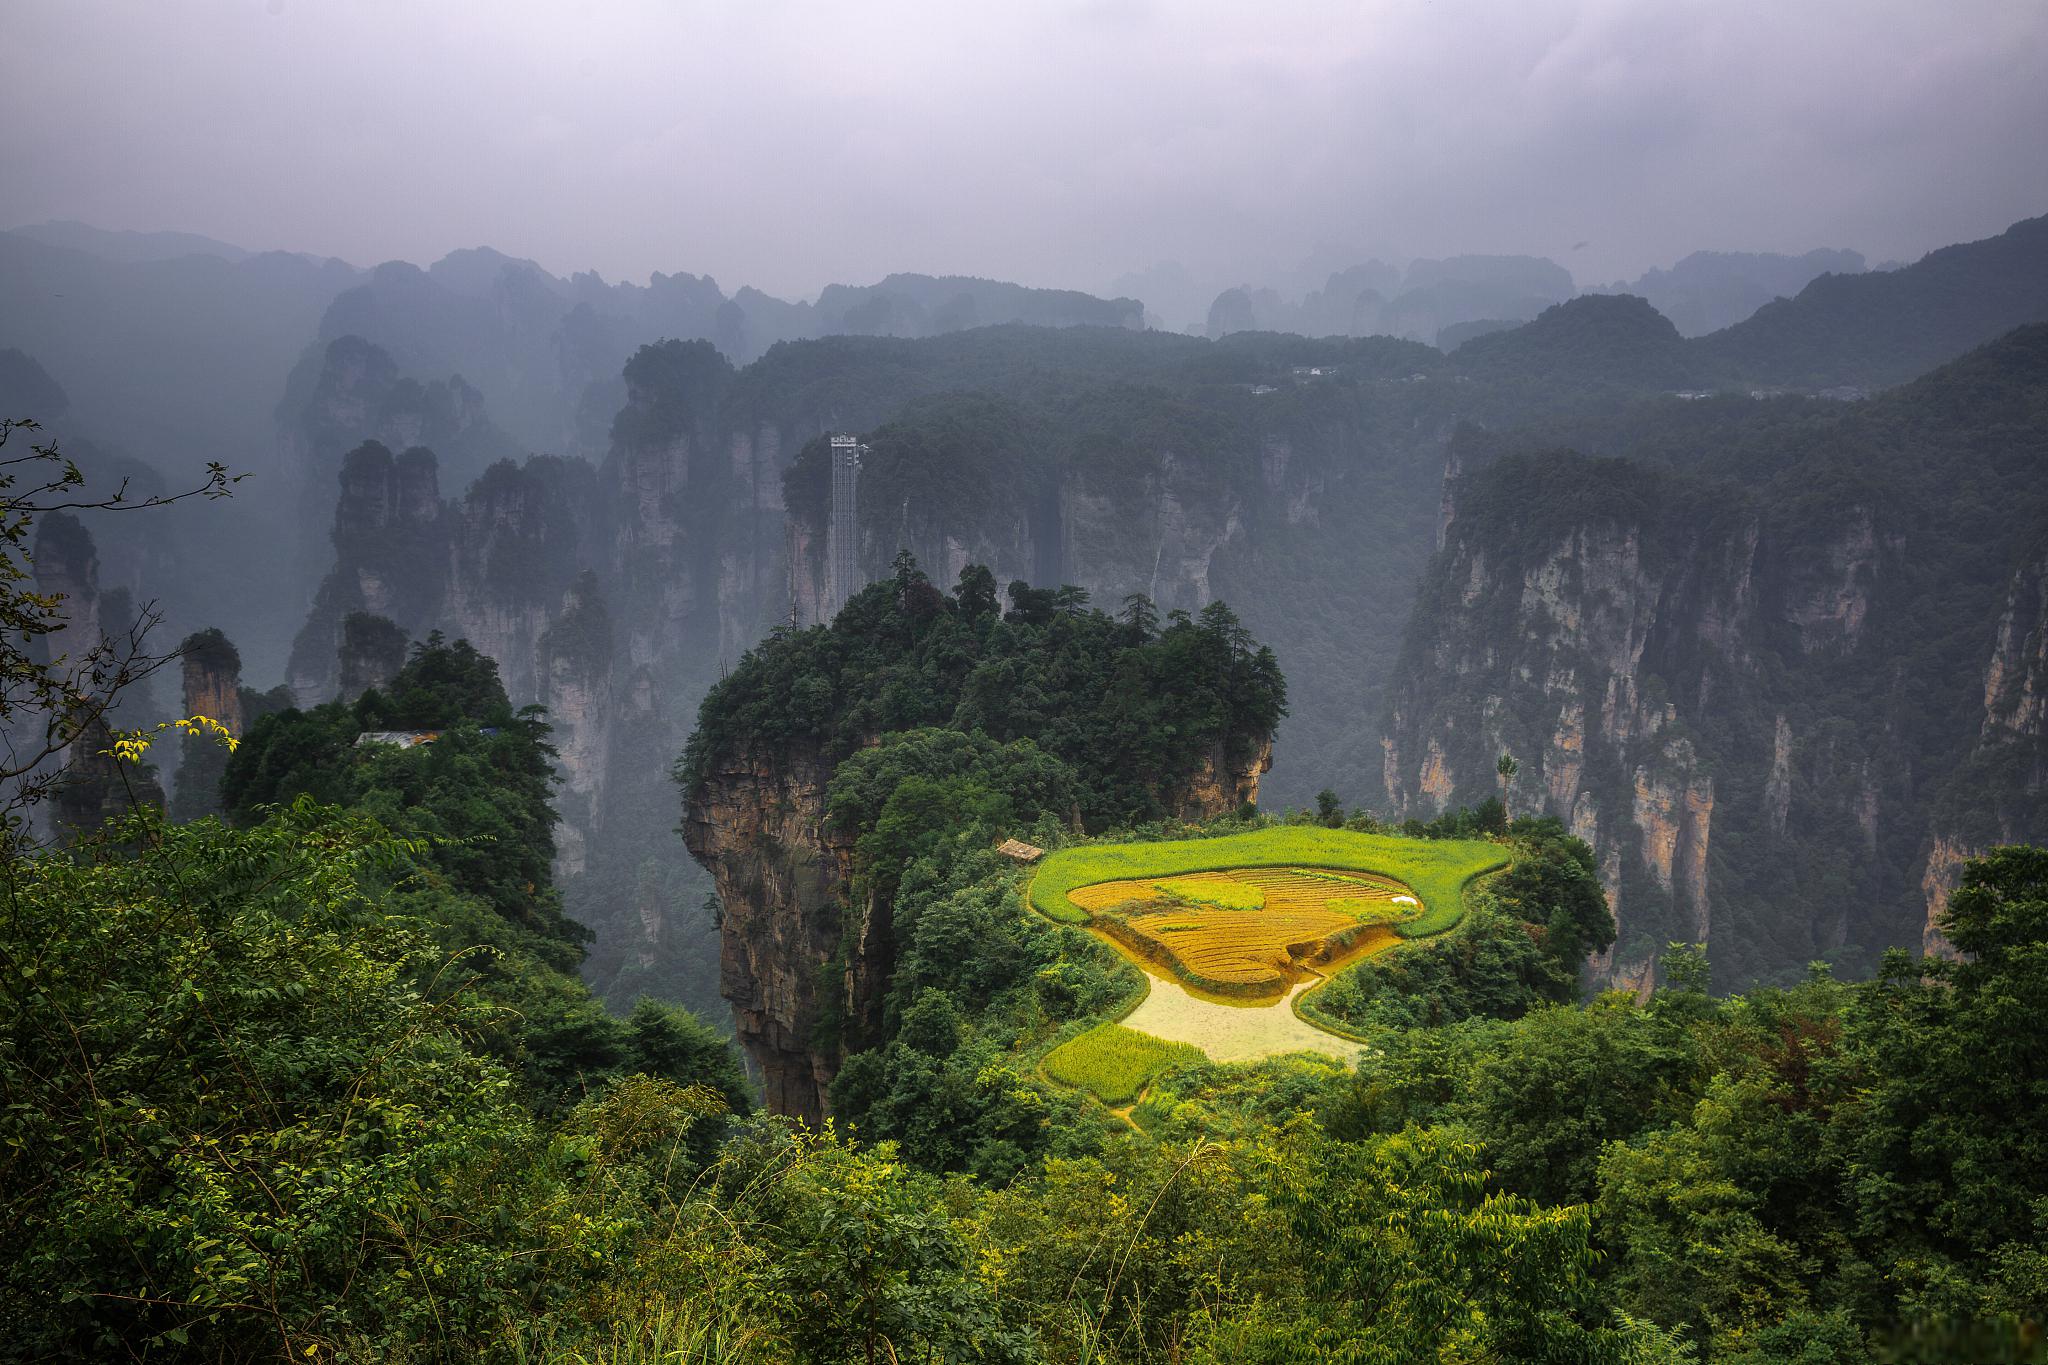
x,y
1136,707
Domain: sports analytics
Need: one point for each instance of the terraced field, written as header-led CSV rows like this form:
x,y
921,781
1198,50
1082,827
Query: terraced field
x,y
1249,933
1233,931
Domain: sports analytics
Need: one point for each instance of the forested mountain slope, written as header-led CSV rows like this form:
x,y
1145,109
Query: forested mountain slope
x,y
1855,331
1887,326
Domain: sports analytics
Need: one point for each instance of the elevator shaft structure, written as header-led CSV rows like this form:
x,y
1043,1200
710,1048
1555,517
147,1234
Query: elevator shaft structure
x,y
842,540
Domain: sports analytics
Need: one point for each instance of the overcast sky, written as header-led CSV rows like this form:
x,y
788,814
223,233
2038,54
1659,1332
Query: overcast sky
x,y
789,144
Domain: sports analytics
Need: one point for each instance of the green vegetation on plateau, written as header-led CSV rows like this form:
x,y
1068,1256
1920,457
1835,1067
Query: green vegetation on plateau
x,y
1131,705
1114,1063
1438,869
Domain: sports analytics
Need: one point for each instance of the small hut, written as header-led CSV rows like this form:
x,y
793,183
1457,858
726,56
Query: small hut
x,y
1020,851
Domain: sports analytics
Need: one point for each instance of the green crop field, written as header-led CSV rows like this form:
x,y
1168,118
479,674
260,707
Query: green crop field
x,y
1375,912
1222,895
1437,869
1115,1063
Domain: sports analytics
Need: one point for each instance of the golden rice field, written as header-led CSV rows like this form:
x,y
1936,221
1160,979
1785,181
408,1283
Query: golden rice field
x,y
1249,933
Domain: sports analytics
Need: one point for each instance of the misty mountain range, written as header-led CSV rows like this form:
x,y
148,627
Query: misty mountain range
x,y
676,516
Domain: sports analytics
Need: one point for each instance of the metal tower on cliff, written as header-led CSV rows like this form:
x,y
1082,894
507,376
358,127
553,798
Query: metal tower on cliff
x,y
842,541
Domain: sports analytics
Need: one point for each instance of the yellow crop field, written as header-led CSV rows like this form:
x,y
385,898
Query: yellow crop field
x,y
1438,870
1249,933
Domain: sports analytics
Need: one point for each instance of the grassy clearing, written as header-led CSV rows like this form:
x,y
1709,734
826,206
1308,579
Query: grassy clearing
x,y
1115,1063
1221,893
1438,870
1376,911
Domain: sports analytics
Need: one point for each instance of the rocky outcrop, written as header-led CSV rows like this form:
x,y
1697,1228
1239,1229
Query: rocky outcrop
x,y
803,966
211,669
756,822
1220,784
1619,653
373,650
350,391
1944,872
2000,794
390,559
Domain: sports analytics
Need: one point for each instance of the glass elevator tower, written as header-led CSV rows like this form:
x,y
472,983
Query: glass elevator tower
x,y
842,539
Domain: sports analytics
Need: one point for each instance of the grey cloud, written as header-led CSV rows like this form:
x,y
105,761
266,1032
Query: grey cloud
x,y
789,144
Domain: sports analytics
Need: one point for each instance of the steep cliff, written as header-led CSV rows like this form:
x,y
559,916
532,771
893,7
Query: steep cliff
x,y
373,649
210,669
2000,794
1119,461
390,558
800,965
346,392
1113,720
575,685
88,786
757,825
1752,702
1225,476
211,675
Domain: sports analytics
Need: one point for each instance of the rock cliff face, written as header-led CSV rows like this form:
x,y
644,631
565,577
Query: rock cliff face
x,y
575,682
373,650
757,824
804,969
211,669
1552,650
1158,534
90,787
1747,704
349,391
67,566
702,529
2000,795
390,559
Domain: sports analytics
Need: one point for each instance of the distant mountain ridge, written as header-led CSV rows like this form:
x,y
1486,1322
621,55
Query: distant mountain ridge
x,y
1710,290
1856,331
128,247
